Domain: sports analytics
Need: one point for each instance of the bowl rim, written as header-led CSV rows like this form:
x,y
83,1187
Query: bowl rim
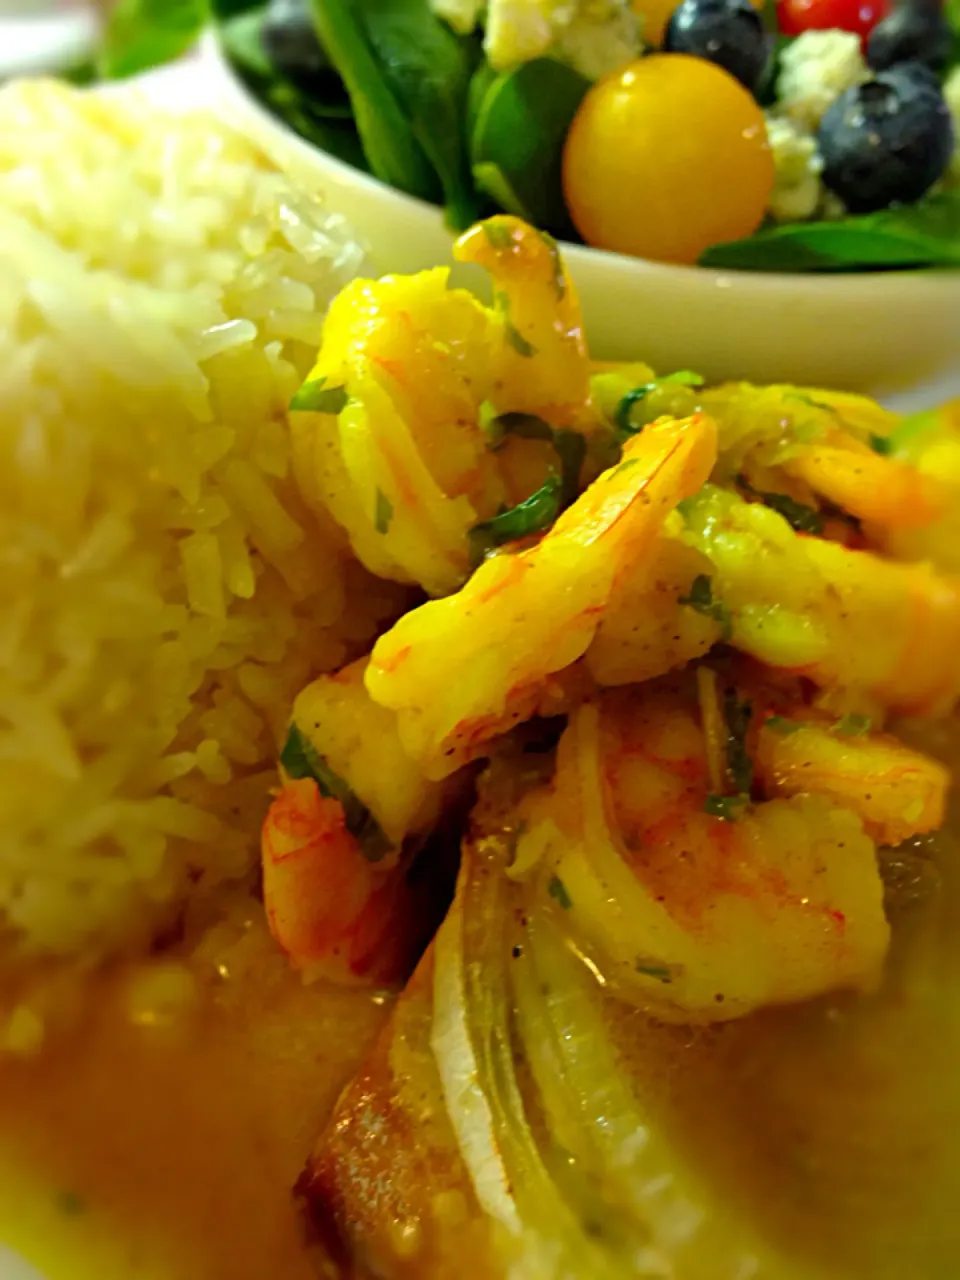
x,y
213,59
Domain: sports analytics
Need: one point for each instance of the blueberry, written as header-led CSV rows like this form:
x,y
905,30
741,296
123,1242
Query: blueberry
x,y
291,43
914,32
887,141
728,32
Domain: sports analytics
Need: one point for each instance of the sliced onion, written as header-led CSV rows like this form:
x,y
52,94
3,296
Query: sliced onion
x,y
659,1218
473,1044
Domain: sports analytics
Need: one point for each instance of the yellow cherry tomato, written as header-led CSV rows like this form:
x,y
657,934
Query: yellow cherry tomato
x,y
665,157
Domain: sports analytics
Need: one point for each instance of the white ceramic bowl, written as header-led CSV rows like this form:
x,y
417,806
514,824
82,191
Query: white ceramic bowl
x,y
877,332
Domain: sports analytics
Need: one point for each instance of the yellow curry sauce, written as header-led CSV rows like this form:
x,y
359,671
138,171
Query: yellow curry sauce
x,y
163,1145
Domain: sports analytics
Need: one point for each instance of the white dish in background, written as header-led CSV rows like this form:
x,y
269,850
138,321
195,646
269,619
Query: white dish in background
x,y
878,332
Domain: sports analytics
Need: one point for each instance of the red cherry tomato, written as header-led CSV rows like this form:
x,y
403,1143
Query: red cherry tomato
x,y
859,16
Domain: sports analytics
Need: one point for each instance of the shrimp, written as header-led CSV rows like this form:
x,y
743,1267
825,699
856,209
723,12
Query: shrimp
x,y
775,421
897,792
826,443
643,633
460,671
335,719
395,441
930,443
542,366
695,916
332,911
844,618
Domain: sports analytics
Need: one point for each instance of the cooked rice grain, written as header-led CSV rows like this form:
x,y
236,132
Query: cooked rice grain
x,y
164,591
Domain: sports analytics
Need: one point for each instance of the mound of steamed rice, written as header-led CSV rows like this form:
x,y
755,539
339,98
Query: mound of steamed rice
x,y
163,590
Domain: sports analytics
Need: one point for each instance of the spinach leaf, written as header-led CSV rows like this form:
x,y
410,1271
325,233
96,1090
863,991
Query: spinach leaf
x,y
534,515
429,70
240,41
521,121
301,759
391,147
328,123
920,235
141,34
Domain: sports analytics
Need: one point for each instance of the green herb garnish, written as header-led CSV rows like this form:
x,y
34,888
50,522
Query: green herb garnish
x,y
881,444
301,759
500,236
737,716
317,397
798,515
621,418
654,969
701,599
781,725
383,512
517,340
570,446
853,725
534,515
558,891
71,1204
727,808
559,279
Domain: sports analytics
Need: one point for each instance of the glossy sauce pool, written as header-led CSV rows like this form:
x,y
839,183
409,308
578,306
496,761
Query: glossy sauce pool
x,y
165,1149
162,1142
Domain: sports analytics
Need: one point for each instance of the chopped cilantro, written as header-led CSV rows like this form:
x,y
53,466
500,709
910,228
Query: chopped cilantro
x,y
727,808
799,516
383,512
301,759
701,599
781,725
737,715
534,515
498,233
570,446
71,1204
558,891
621,418
559,279
881,444
853,726
517,340
652,968
316,397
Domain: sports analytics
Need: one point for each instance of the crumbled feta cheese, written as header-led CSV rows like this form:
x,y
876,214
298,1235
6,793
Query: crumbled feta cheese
x,y
951,91
598,42
594,36
461,14
797,190
517,30
814,70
